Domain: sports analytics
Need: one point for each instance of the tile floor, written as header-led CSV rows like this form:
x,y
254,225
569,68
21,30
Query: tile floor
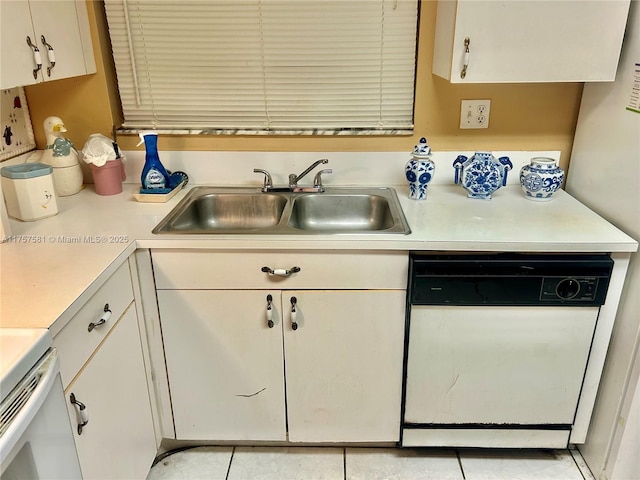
x,y
329,463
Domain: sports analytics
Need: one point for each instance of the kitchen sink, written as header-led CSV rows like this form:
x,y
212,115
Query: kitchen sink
x,y
341,212
217,210
228,211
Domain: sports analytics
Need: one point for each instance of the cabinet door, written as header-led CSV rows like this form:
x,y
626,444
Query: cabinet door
x,y
65,27
119,440
58,22
529,41
224,364
17,57
344,365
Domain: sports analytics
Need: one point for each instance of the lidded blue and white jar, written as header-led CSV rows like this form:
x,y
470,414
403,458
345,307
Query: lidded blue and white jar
x,y
419,170
541,179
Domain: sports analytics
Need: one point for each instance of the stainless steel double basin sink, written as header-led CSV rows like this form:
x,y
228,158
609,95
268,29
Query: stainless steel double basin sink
x,y
229,210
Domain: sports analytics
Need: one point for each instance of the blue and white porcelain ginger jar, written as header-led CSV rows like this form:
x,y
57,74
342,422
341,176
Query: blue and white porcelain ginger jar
x,y
481,174
541,179
419,170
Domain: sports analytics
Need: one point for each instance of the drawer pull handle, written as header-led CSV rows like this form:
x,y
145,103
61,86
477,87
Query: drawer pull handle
x,y
270,311
103,319
81,413
281,272
294,313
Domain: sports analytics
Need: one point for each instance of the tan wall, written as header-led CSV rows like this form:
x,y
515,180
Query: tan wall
x,y
523,116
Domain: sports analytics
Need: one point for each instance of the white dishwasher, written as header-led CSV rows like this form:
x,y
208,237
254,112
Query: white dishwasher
x,y
497,347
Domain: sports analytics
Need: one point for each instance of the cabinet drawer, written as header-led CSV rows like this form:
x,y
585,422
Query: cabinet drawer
x,y
215,269
75,343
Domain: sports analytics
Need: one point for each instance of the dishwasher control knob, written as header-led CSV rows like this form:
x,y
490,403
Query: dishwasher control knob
x,y
568,288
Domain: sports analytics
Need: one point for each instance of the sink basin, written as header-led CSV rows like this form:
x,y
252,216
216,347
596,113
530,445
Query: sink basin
x,y
341,213
217,210
226,211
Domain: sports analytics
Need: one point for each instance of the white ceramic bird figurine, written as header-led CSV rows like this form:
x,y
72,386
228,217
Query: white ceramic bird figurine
x,y
63,157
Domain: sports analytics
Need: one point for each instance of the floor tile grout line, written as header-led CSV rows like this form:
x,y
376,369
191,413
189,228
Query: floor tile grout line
x,y
580,468
233,451
576,464
344,463
460,464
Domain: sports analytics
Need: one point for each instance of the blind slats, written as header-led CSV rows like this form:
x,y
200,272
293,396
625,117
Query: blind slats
x,y
265,64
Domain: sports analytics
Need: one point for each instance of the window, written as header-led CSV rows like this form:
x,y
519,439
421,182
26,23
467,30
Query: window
x,y
265,66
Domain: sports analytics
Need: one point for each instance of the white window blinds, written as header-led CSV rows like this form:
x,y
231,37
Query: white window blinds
x,y
265,65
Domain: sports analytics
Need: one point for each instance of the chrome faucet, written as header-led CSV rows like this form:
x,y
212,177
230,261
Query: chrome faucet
x,y
294,179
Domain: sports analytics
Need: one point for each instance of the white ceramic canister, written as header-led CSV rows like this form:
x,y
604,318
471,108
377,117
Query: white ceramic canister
x,y
541,179
28,191
419,170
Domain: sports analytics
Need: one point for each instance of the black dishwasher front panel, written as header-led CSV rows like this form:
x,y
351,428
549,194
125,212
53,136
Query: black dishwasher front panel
x,y
510,279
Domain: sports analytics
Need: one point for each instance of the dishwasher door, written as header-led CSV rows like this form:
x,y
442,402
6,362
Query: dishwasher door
x,y
501,376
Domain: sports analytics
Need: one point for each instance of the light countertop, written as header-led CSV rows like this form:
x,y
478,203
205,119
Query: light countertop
x,y
50,267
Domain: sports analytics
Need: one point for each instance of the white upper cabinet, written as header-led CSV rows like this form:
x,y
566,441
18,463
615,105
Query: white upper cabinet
x,y
59,30
529,41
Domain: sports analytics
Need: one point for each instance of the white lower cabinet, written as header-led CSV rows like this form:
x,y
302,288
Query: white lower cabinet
x,y
339,368
343,365
118,440
224,365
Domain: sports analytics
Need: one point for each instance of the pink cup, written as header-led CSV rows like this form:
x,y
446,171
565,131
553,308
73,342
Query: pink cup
x,y
109,177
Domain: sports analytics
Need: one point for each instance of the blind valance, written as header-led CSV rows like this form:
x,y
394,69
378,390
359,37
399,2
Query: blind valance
x,y
265,64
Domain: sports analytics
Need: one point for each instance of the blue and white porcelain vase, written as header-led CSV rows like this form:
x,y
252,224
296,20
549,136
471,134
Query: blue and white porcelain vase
x,y
541,179
419,170
481,174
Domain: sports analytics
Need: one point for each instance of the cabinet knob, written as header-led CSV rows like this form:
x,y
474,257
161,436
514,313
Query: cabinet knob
x,y
81,413
103,319
467,54
37,59
270,311
294,313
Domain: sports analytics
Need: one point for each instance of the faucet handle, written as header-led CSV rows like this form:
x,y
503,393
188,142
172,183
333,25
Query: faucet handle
x,y
317,180
268,183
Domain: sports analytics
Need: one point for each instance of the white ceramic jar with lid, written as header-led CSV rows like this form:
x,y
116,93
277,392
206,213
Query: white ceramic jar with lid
x,y
28,191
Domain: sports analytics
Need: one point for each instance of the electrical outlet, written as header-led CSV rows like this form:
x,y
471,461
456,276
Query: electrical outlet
x,y
475,113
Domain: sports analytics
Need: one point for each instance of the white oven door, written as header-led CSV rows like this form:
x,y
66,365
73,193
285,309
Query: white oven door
x,y
36,440
496,365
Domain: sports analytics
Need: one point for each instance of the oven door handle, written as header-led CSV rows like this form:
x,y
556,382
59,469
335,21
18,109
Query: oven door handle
x,y
46,370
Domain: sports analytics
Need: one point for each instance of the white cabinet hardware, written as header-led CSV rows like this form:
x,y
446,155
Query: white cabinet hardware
x,y
270,323
103,319
281,272
51,56
37,58
467,54
294,313
81,411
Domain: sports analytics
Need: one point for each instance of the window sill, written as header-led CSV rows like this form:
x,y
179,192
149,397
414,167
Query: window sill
x,y
239,131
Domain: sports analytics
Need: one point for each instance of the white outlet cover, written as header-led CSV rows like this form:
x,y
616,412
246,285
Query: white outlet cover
x,y
475,114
